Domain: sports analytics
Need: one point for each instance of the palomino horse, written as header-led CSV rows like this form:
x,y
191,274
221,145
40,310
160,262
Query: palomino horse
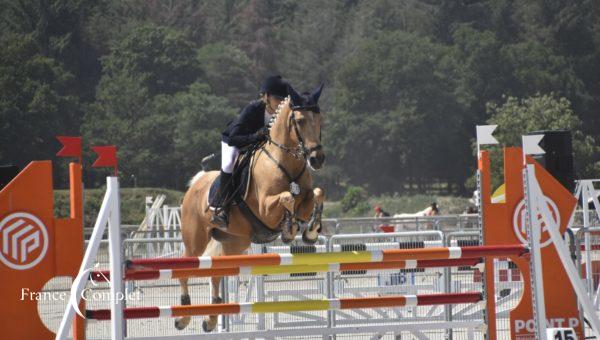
x,y
294,143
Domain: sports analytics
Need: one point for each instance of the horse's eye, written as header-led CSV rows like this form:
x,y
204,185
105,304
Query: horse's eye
x,y
300,121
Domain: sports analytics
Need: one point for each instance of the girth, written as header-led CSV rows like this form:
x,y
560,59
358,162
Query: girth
x,y
260,232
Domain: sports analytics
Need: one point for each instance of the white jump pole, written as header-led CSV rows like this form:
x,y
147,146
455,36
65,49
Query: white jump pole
x,y
534,235
90,255
117,291
563,253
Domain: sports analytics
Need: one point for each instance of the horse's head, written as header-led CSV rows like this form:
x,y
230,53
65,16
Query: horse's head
x,y
305,120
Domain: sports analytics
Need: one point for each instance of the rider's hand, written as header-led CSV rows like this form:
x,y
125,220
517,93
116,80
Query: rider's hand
x,y
262,134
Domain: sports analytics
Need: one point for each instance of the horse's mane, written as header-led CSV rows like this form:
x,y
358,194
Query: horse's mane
x,y
283,109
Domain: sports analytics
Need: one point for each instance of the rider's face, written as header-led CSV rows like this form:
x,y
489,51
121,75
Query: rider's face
x,y
273,102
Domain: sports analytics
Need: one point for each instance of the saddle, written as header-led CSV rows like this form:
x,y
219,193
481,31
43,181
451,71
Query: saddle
x,y
240,182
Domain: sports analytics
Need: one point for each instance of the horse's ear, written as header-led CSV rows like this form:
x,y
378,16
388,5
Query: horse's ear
x,y
316,93
295,96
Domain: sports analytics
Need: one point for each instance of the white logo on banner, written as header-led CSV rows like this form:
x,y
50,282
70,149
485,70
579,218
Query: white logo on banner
x,y
520,216
24,240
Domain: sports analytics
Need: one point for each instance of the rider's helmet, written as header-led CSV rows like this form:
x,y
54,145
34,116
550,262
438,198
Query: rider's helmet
x,y
275,86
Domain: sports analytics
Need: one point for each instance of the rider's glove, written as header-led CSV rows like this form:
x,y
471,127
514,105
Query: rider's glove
x,y
262,134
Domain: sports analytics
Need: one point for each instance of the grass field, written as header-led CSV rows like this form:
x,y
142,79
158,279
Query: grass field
x,y
132,203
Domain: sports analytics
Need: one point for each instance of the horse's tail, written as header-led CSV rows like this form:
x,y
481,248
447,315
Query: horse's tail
x,y
196,178
213,248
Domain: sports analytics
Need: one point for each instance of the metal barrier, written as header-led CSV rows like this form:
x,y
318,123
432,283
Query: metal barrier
x,y
431,322
165,222
462,320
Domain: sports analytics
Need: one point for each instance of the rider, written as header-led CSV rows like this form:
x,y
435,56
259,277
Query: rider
x,y
250,127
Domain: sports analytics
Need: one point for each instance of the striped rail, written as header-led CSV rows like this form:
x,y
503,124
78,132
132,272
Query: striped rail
x,y
290,306
153,274
313,259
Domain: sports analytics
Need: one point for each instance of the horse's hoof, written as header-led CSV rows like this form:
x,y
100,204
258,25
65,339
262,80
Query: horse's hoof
x,y
319,225
179,325
205,327
307,240
286,240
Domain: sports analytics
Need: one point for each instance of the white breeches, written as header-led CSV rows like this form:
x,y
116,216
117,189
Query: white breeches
x,y
228,155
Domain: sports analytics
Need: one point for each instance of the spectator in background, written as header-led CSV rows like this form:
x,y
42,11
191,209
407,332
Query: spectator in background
x,y
380,212
386,228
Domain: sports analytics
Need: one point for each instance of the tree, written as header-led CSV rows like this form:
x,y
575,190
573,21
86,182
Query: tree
x,y
536,68
36,101
226,69
396,104
253,26
162,58
201,117
516,117
57,29
135,104
484,72
406,81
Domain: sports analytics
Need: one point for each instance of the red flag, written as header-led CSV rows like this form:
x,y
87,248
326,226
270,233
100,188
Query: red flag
x,y
107,156
71,146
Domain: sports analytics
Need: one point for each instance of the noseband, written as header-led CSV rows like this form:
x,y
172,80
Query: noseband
x,y
300,151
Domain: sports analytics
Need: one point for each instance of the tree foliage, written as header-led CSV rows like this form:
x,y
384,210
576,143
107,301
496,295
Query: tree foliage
x,y
406,81
516,117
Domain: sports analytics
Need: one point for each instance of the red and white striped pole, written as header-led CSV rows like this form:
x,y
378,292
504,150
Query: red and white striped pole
x,y
289,306
386,255
154,274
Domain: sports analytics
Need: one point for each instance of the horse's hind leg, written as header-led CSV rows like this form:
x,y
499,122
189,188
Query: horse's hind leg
x,y
236,247
214,248
182,322
210,322
195,237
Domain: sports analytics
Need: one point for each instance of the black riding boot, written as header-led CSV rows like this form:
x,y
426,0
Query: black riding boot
x,y
221,213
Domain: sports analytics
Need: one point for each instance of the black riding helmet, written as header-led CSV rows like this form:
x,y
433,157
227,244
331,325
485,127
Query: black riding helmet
x,y
275,86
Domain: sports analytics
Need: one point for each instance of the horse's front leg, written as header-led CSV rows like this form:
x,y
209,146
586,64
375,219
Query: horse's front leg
x,y
311,210
286,201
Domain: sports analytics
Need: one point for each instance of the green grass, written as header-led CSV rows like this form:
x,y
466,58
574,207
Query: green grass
x,y
132,204
400,204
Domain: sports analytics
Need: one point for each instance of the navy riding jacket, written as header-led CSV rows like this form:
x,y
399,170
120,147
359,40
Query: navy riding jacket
x,y
242,131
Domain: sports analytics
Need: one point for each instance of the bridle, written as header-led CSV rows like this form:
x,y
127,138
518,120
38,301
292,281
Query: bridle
x,y
300,151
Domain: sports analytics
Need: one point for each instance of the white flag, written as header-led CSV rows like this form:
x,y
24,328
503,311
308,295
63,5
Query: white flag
x,y
531,145
484,134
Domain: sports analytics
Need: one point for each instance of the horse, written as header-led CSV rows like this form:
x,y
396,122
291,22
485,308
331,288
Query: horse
x,y
279,193
431,210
